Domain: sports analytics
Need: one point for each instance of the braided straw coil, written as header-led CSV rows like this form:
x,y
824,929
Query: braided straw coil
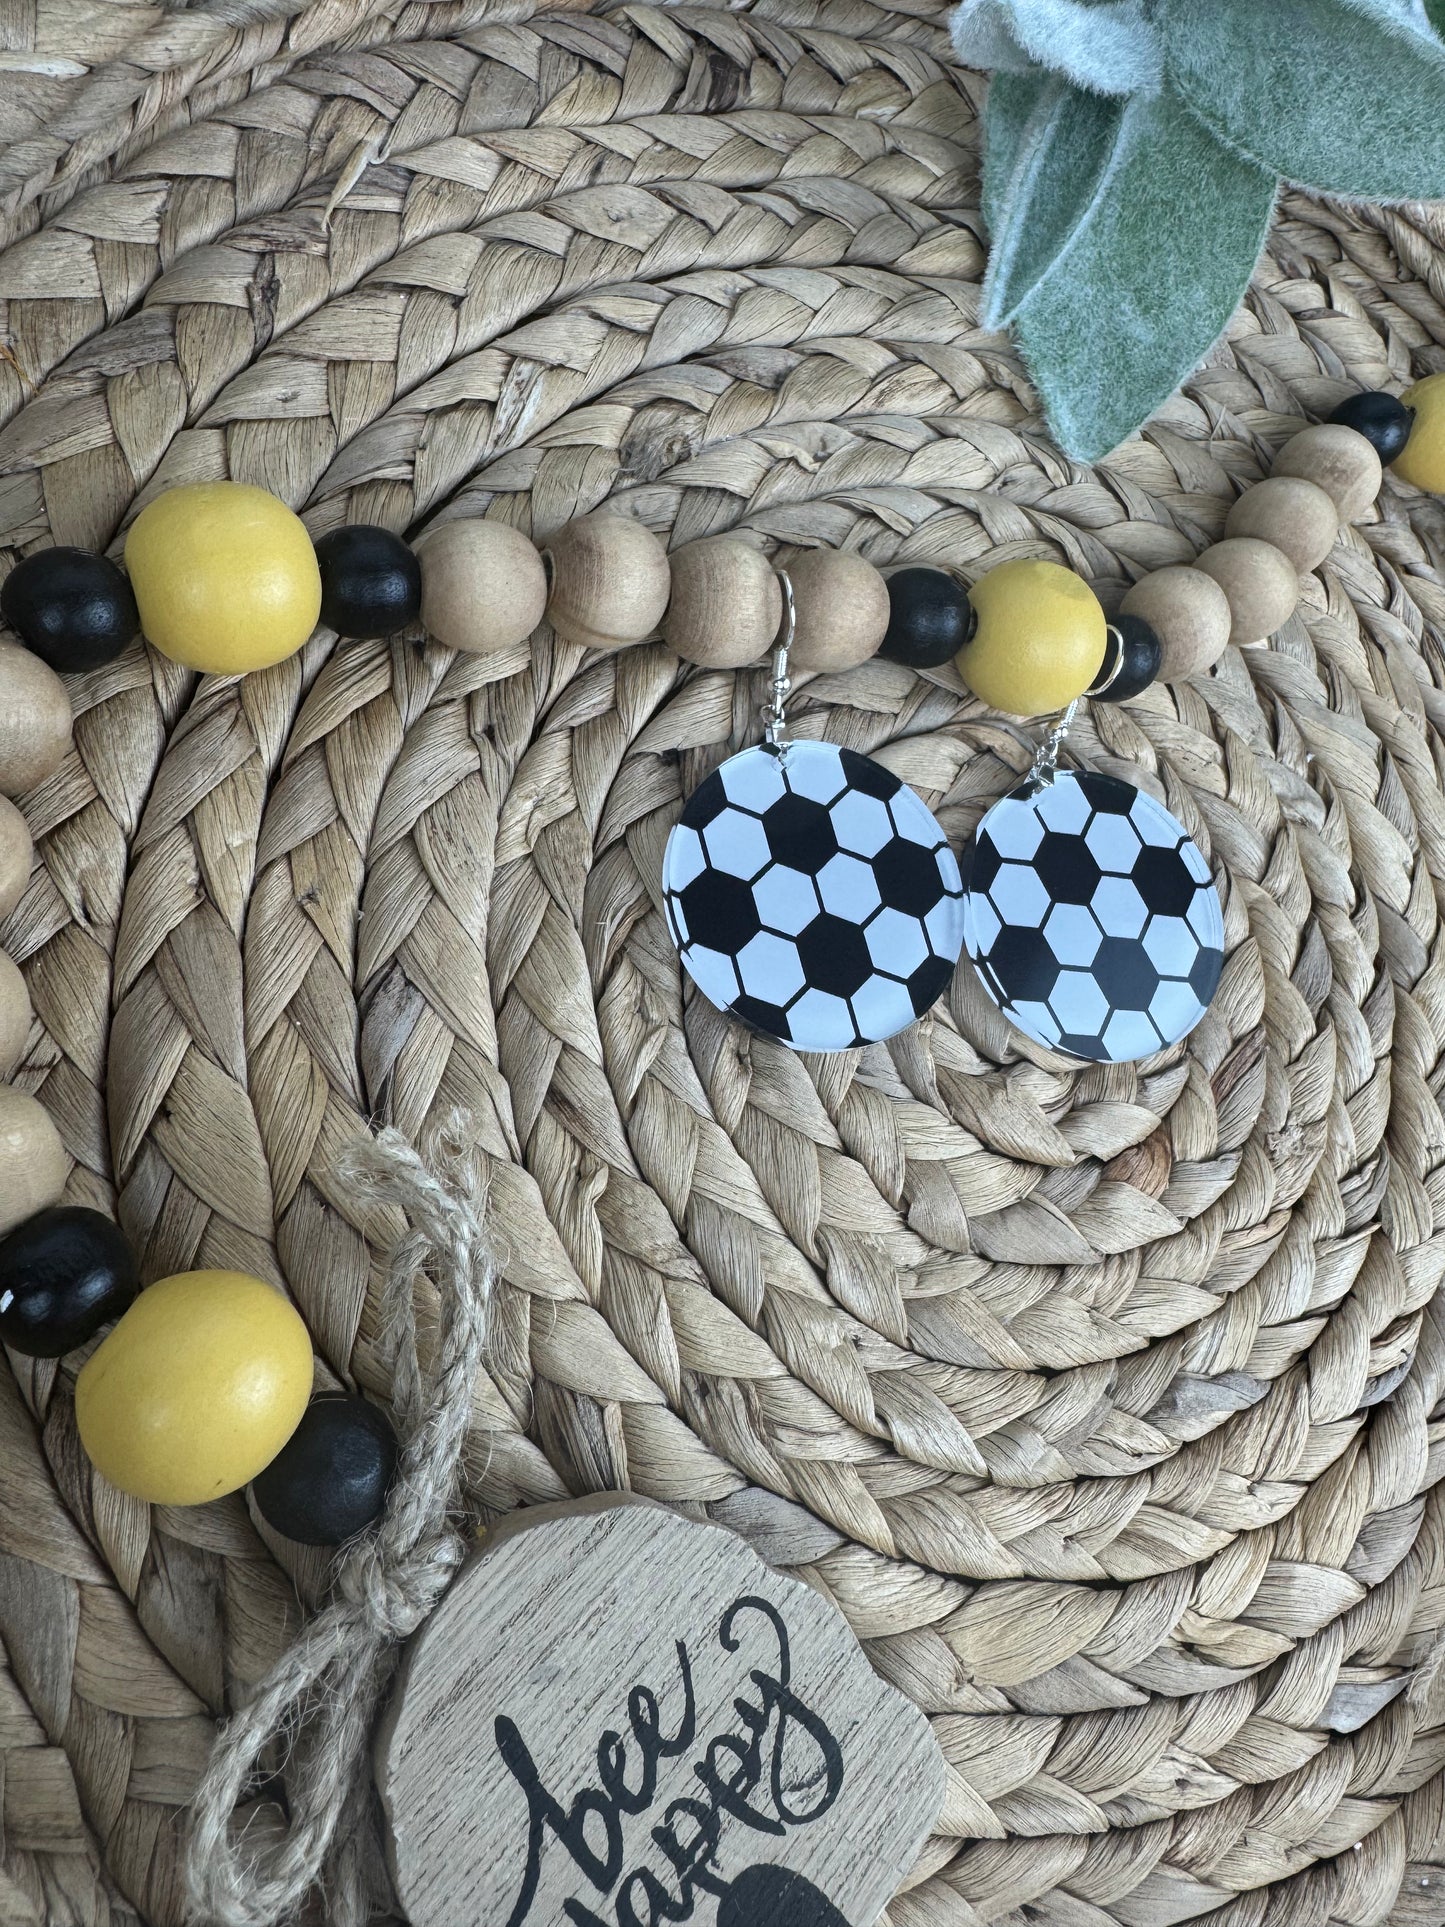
x,y
1105,1403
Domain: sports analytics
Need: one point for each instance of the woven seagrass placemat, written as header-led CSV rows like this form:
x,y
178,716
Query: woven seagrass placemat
x,y
1105,1403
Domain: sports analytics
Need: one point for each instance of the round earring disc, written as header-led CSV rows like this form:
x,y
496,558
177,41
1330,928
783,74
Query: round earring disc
x,y
1092,919
813,895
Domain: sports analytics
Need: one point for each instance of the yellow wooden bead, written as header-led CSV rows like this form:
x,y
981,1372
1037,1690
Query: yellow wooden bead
x,y
1039,640
197,1388
1422,460
224,575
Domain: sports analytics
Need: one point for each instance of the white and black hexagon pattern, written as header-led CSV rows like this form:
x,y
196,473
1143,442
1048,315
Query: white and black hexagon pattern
x,y
813,895
1092,919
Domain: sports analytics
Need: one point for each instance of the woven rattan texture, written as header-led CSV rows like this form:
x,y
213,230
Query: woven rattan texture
x,y
1105,1403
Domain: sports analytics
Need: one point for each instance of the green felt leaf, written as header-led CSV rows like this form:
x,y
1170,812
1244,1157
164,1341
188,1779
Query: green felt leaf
x,y
1347,96
1048,152
1435,13
1106,45
1134,300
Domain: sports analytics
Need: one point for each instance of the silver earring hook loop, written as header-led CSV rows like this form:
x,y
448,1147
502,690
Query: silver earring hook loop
x,y
775,710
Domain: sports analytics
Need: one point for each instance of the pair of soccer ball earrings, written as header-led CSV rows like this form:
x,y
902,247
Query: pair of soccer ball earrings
x,y
815,897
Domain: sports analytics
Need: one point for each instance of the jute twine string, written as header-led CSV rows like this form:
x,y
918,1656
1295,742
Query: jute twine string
x,y
321,1699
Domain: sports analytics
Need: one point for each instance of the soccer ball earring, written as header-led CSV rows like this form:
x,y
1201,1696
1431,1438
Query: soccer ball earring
x,y
809,891
814,896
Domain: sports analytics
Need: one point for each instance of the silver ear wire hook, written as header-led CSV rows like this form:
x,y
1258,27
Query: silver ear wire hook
x,y
775,710
1046,757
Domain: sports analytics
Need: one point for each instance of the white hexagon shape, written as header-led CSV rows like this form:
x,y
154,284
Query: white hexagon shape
x,y
848,888
948,869
712,971
882,1008
1176,1010
861,823
944,924
1194,862
753,779
1155,825
815,769
820,1021
736,843
1119,907
1112,842
1034,1020
1079,1004
1063,805
1014,829
786,899
1129,1034
897,943
683,859
1019,896
1172,946
1073,936
1206,917
770,967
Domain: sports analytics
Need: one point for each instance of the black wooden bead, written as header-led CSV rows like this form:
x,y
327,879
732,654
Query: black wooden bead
x,y
930,618
329,1481
63,1274
370,582
74,609
1382,419
1138,654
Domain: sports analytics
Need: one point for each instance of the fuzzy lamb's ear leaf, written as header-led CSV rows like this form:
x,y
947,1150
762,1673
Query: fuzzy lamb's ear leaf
x,y
1048,150
1363,116
1144,287
1107,46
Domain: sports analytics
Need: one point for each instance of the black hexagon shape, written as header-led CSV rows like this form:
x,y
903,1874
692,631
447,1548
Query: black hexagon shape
x,y
720,911
870,777
1205,974
762,1015
928,983
908,877
982,867
1066,867
1107,793
835,955
707,802
1124,973
1162,880
1024,966
800,833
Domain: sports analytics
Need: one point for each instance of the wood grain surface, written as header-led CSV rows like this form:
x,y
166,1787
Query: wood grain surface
x,y
619,1715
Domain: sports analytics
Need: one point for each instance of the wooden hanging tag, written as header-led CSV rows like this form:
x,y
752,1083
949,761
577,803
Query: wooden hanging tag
x,y
619,1717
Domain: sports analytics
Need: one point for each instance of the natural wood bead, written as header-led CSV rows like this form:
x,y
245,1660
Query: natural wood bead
x,y
16,852
1189,613
15,1013
1259,583
1337,459
610,581
483,586
1297,516
33,1163
34,720
726,604
842,609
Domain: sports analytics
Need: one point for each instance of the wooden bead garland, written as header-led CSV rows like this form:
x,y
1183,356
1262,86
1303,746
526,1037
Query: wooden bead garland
x,y
484,588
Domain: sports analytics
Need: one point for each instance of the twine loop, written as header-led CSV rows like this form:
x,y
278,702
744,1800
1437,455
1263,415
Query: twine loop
x,y
318,1704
